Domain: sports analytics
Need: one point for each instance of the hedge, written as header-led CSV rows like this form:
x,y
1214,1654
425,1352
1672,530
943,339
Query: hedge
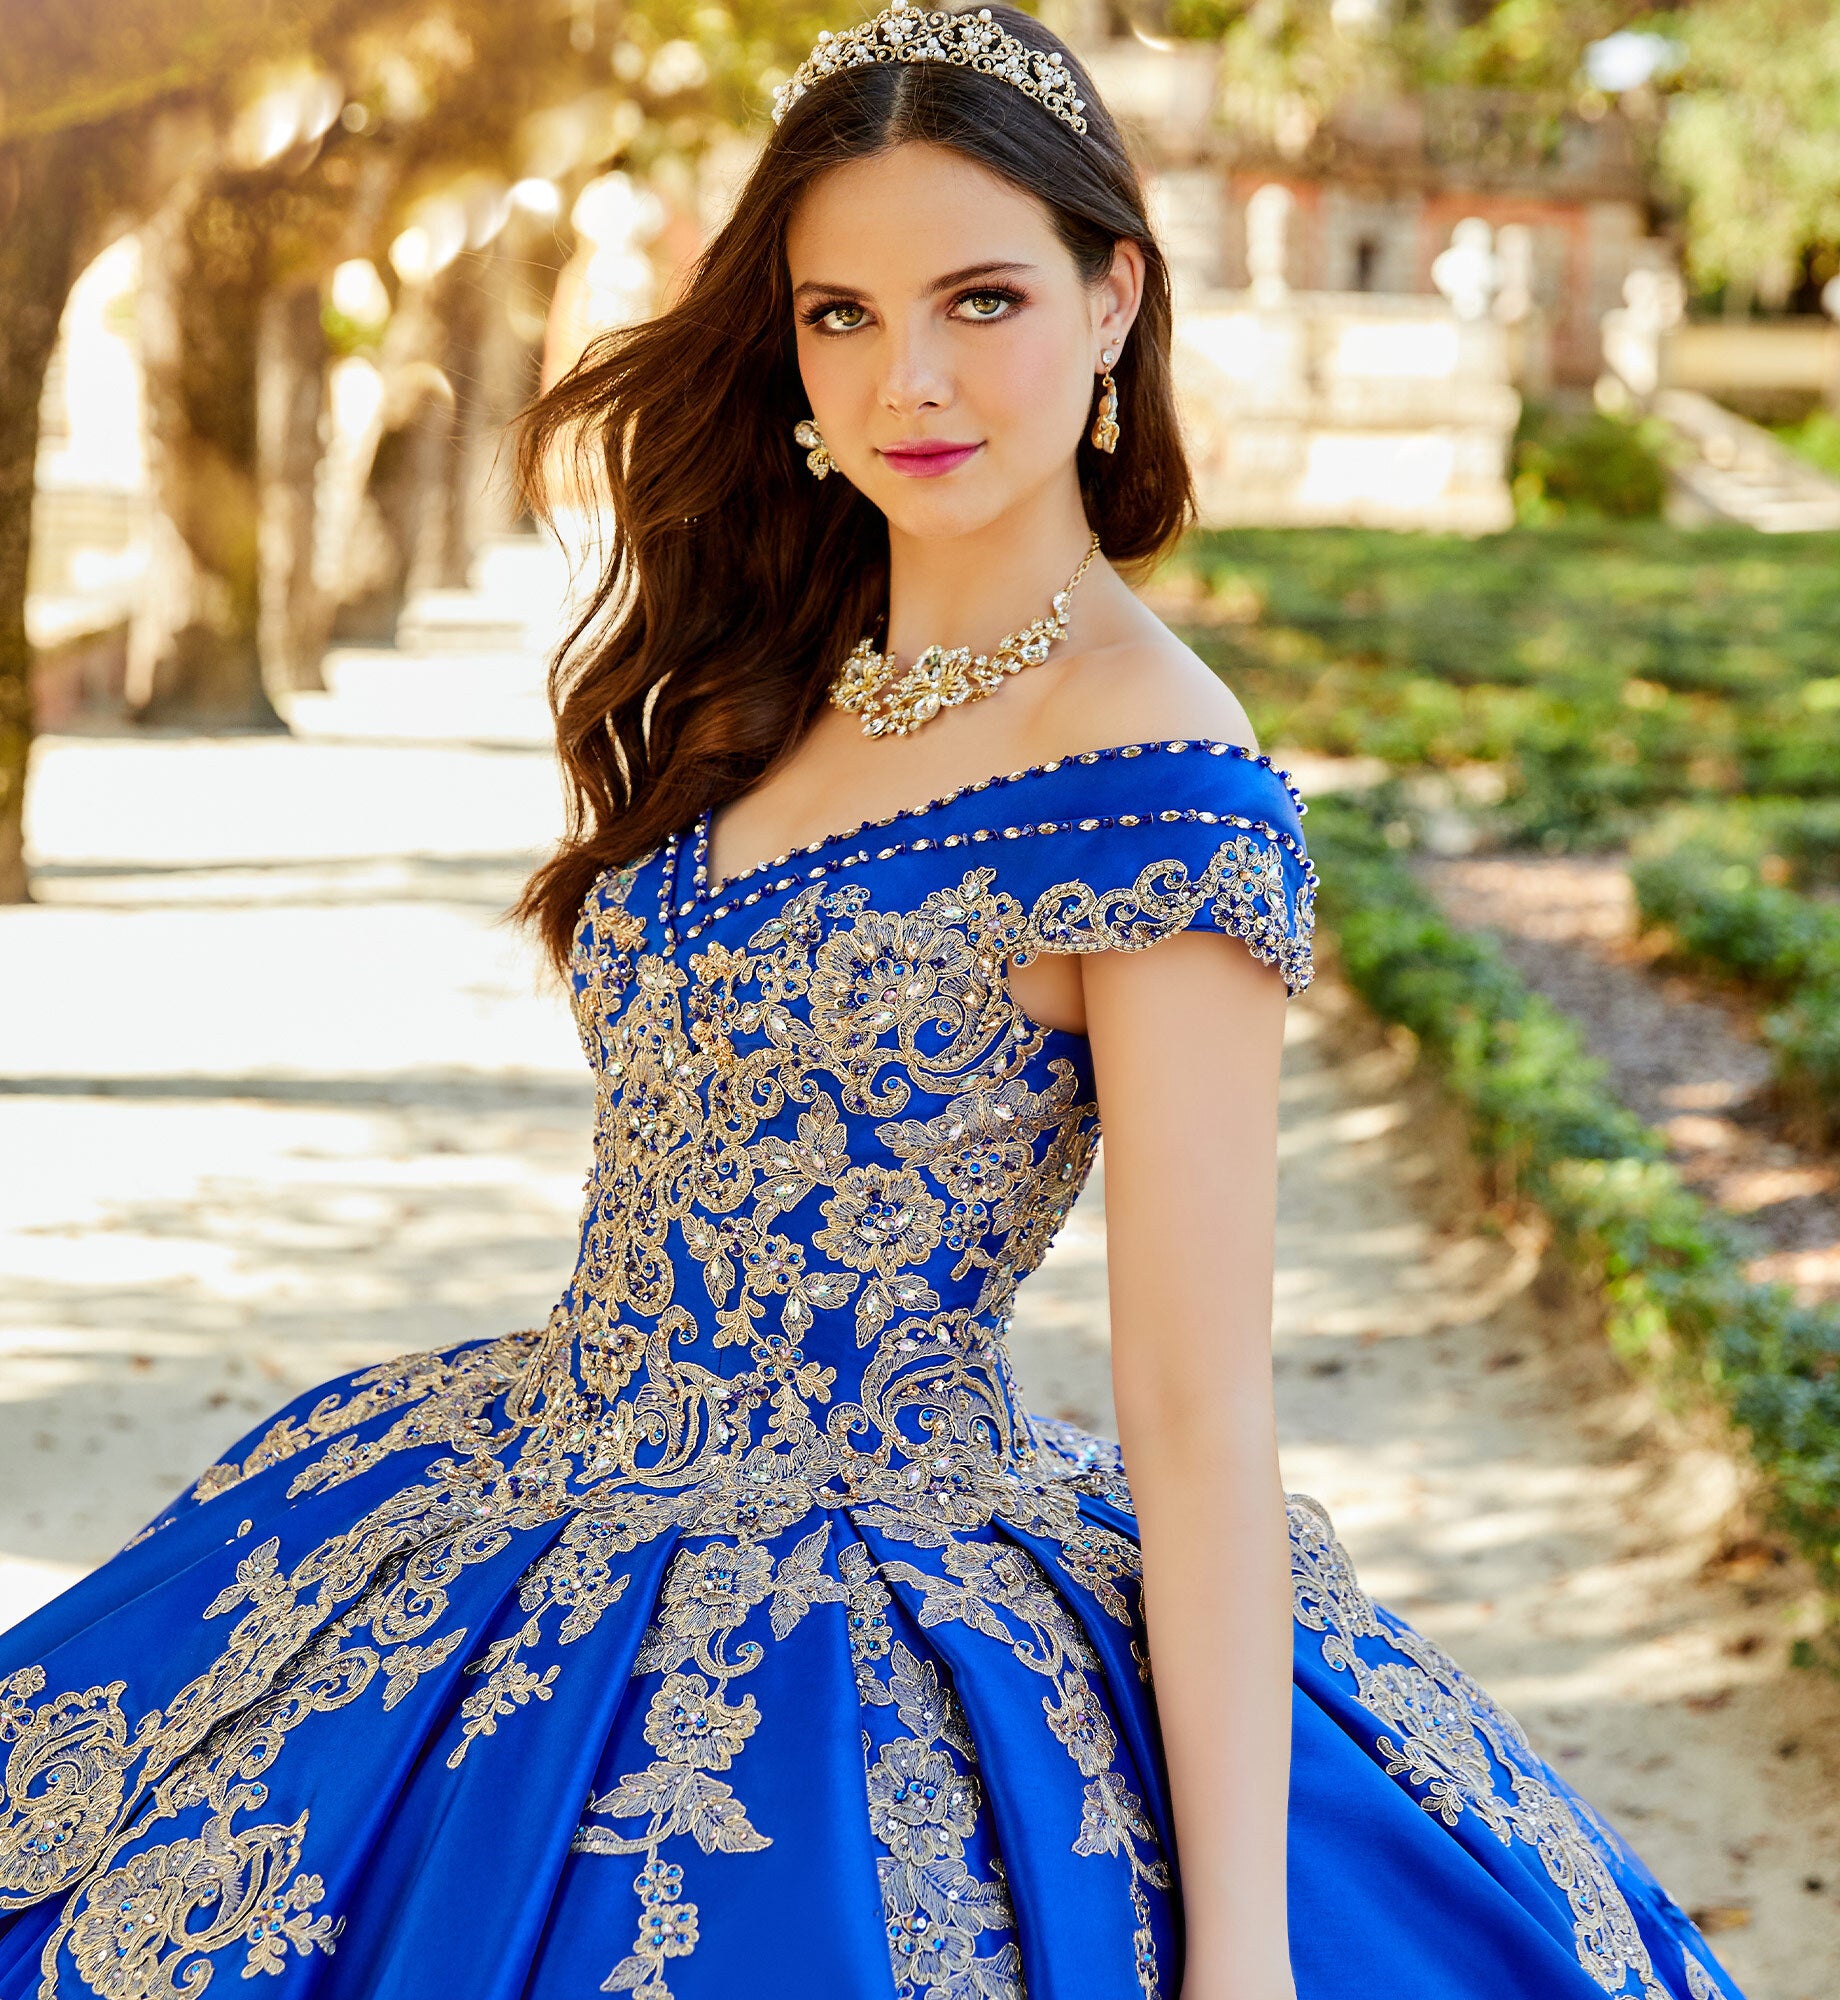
x,y
1725,888
1670,1267
1607,668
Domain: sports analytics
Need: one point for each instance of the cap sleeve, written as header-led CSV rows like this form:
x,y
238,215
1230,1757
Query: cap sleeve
x,y
1159,838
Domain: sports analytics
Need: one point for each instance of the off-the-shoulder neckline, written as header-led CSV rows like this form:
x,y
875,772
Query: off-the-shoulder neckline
x,y
703,891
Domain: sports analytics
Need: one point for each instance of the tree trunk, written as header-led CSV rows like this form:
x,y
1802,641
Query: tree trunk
x,y
400,541
48,190
494,373
296,614
194,656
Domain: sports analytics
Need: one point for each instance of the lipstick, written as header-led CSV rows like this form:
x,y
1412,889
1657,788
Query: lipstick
x,y
927,458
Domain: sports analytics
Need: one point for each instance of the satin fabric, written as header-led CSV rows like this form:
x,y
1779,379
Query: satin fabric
x,y
739,1632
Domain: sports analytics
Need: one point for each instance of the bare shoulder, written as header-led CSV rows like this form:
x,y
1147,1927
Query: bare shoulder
x,y
1145,687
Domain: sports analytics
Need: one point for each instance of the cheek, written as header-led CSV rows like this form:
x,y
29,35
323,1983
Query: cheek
x,y
1030,386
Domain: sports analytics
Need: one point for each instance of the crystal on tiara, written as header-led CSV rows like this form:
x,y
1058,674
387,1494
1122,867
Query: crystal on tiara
x,y
905,32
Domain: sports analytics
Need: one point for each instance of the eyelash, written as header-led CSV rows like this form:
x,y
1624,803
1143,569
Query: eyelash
x,y
814,316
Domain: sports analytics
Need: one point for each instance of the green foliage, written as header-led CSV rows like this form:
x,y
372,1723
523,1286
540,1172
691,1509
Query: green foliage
x,y
1586,463
1521,45
1605,667
1817,438
1726,898
1792,843
1671,1270
1752,139
1202,20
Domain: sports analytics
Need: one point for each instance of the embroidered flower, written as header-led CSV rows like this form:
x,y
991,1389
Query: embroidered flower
x,y
668,1930
921,1806
713,1589
881,1219
687,1724
882,973
659,1881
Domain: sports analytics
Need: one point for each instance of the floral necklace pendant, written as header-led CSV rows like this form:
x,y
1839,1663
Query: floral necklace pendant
x,y
894,700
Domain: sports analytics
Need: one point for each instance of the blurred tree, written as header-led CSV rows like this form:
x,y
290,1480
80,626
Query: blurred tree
x,y
1753,138
112,110
53,189
89,92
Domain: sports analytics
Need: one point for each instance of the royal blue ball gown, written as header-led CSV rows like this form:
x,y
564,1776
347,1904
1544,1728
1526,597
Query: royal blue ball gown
x,y
739,1635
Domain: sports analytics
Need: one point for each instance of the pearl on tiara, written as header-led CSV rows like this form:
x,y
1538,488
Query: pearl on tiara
x,y
906,33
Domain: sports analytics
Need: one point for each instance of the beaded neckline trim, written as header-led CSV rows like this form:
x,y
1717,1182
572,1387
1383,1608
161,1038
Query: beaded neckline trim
x,y
703,891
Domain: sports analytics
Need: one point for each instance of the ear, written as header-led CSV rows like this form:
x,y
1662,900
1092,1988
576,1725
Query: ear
x,y
1117,296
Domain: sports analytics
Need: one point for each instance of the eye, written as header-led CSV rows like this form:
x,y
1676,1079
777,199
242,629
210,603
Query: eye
x,y
844,316
994,302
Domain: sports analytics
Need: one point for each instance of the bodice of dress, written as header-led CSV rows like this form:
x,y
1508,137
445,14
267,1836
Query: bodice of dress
x,y
829,1143
742,1611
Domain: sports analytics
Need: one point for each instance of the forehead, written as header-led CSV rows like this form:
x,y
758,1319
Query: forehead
x,y
912,212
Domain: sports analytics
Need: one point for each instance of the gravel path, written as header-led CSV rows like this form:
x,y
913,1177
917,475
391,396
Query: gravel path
x,y
1687,1059
286,1097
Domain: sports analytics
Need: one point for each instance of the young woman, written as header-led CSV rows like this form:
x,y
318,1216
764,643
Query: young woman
x,y
740,1634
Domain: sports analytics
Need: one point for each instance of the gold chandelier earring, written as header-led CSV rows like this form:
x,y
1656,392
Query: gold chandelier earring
x,y
818,460
1105,424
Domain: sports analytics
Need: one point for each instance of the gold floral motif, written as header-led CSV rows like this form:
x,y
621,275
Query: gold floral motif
x,y
147,1928
430,1384
1242,887
996,1589
62,1783
1451,1739
924,1803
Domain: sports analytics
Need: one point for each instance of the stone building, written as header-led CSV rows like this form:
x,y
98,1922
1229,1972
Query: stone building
x,y
1380,184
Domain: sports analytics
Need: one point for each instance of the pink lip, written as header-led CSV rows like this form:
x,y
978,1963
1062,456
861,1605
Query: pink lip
x,y
927,458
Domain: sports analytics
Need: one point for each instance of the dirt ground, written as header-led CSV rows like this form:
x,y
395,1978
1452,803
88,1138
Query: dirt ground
x,y
284,1096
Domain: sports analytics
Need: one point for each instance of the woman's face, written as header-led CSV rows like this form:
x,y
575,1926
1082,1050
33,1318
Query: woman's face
x,y
946,339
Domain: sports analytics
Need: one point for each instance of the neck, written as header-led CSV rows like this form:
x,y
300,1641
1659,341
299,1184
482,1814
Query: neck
x,y
973,590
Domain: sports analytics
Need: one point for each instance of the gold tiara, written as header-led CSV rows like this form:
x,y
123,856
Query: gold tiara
x,y
906,33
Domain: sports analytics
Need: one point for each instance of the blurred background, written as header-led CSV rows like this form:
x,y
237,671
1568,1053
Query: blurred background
x,y
1508,341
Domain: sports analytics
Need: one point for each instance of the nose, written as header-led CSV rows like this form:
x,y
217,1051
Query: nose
x,y
916,376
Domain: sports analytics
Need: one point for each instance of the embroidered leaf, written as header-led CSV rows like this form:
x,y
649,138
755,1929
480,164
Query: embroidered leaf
x,y
800,1582
638,1794
709,1811
406,1665
628,1976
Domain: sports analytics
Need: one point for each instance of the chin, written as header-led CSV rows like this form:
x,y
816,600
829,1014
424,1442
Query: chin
x,y
941,516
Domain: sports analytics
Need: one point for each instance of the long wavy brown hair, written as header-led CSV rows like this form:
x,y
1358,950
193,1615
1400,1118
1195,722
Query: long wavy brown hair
x,y
732,582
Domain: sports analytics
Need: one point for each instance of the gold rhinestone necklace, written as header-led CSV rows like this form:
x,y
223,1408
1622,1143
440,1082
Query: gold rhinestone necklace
x,y
895,700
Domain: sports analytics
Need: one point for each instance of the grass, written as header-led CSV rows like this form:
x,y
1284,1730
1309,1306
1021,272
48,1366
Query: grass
x,y
1607,667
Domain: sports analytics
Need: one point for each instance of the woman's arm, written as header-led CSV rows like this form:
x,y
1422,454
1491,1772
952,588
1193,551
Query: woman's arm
x,y
1185,1041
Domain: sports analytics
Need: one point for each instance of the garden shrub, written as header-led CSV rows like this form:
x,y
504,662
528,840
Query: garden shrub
x,y
1670,1268
1568,462
1710,889
1607,667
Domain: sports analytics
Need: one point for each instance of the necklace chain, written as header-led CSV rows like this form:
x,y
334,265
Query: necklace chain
x,y
894,700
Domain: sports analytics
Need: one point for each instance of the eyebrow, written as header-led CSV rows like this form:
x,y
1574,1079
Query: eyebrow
x,y
945,284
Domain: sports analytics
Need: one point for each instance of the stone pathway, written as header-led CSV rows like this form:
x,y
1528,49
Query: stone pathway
x,y
1685,1056
285,1096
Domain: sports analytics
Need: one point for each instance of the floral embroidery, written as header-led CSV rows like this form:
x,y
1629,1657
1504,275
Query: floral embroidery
x,y
63,1780
1242,886
829,1145
148,1927
924,1804
1452,1739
